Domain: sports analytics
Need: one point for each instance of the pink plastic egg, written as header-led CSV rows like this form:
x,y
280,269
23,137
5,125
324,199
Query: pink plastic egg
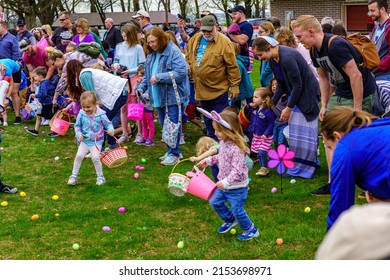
x,y
274,190
136,175
106,229
121,209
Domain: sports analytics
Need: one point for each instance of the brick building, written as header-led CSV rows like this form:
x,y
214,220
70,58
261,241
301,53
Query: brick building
x,y
353,13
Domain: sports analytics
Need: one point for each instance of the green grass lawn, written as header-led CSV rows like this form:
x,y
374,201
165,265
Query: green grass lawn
x,y
155,220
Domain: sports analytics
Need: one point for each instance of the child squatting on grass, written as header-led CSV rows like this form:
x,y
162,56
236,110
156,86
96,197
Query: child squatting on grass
x,y
89,126
232,186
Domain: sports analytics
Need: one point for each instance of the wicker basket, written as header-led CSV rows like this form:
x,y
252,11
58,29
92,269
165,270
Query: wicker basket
x,y
177,183
115,157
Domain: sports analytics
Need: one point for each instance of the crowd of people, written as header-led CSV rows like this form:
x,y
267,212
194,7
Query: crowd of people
x,y
307,75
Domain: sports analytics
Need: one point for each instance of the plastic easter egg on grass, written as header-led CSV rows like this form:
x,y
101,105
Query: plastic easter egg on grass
x,y
121,209
52,139
293,181
137,167
180,244
43,132
141,168
143,160
35,217
106,229
57,158
44,140
4,203
274,190
307,209
26,127
233,231
76,246
1,148
22,194
55,197
136,175
56,215
279,241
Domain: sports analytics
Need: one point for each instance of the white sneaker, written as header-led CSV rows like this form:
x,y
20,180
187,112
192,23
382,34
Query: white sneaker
x,y
72,180
5,124
100,180
123,138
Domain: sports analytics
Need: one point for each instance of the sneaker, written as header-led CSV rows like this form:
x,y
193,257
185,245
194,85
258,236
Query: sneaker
x,y
227,226
72,180
249,234
166,154
361,195
100,180
170,160
5,124
18,120
53,134
140,141
7,189
182,140
163,157
149,143
123,138
137,138
262,171
324,190
45,123
33,132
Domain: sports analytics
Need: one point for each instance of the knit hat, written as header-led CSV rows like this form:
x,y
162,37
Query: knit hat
x,y
360,233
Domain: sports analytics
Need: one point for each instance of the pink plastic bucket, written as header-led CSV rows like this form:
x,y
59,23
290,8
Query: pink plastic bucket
x,y
60,126
200,185
135,111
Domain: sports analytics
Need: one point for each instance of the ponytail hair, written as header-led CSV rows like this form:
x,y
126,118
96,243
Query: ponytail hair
x,y
73,69
53,53
344,119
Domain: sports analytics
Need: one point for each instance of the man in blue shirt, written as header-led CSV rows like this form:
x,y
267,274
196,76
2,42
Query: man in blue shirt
x,y
246,30
9,46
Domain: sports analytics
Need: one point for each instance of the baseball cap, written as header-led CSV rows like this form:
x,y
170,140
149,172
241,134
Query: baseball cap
x,y
360,233
237,8
21,22
141,13
207,23
23,44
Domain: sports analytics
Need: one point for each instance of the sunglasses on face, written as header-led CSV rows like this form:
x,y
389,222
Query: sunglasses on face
x,y
63,19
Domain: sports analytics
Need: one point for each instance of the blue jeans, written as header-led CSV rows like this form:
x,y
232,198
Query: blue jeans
x,y
218,105
173,114
263,158
236,199
112,113
279,137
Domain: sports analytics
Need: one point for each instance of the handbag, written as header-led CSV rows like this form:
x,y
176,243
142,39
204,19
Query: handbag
x,y
170,132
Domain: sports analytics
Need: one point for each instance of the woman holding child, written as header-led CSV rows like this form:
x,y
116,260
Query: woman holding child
x,y
295,78
164,66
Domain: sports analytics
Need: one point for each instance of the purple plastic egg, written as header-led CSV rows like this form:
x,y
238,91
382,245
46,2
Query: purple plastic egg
x,y
121,209
141,168
274,190
106,229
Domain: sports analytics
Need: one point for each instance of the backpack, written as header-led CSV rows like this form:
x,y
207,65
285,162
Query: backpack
x,y
365,47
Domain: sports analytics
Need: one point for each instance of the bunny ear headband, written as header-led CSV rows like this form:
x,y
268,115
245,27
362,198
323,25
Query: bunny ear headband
x,y
215,117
